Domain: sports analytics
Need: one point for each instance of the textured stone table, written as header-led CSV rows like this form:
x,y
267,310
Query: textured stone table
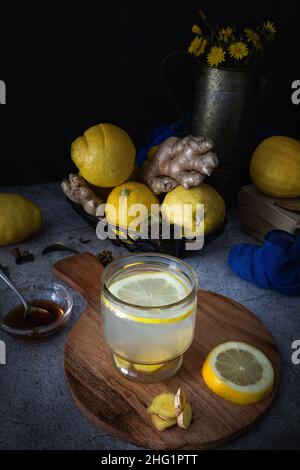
x,y
36,410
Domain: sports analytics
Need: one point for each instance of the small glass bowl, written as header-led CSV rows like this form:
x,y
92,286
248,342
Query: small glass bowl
x,y
52,292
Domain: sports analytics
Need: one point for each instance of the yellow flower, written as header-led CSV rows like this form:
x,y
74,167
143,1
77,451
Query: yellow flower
x,y
215,56
201,48
253,37
270,27
195,44
225,33
196,29
238,50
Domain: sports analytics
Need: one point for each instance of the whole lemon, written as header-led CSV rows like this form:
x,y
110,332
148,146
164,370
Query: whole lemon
x,y
19,218
275,167
104,155
123,197
214,209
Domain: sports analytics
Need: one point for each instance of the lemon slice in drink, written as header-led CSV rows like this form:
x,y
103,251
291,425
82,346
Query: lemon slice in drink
x,y
238,372
147,368
150,289
122,363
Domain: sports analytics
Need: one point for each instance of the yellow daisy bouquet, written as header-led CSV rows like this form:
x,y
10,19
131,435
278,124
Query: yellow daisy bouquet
x,y
228,46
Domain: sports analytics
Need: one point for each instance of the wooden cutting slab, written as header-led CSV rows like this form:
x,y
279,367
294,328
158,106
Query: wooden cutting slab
x,y
118,406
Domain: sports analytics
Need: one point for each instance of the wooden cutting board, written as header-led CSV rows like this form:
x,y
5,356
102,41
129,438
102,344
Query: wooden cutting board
x,y
118,406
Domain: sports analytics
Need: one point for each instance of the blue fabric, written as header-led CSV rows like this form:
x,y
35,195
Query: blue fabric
x,y
157,136
275,265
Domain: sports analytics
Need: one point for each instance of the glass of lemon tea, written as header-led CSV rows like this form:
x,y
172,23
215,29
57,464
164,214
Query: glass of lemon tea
x,y
148,305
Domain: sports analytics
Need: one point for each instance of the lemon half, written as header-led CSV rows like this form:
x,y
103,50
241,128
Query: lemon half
x,y
238,372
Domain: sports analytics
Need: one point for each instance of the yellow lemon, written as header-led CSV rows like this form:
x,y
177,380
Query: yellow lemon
x,y
121,202
19,218
214,208
275,167
104,155
238,372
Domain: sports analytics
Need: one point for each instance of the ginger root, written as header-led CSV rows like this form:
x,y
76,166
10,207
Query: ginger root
x,y
185,418
181,400
163,406
162,424
177,161
167,409
183,409
78,190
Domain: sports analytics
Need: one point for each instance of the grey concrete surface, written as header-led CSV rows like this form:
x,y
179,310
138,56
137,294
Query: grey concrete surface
x,y
36,410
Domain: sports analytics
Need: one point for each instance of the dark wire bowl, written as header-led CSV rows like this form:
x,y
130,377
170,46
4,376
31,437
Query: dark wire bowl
x,y
173,246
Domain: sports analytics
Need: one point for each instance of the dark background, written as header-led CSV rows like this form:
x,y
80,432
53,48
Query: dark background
x,y
70,65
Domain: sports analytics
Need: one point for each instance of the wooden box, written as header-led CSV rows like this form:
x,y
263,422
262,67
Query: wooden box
x,y
259,214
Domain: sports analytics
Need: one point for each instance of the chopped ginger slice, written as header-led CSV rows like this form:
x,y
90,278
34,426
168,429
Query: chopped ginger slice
x,y
181,399
163,405
162,424
185,418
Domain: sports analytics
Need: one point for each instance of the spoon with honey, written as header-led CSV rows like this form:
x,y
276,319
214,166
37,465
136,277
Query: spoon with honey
x,y
32,315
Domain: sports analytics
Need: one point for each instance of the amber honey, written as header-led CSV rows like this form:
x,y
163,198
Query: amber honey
x,y
15,318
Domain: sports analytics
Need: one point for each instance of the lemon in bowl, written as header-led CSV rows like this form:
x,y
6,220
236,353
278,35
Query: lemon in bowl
x,y
176,202
104,155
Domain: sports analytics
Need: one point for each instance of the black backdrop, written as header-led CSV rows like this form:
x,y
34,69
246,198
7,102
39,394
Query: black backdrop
x,y
69,65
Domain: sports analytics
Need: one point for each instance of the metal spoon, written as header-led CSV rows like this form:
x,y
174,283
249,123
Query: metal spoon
x,y
28,309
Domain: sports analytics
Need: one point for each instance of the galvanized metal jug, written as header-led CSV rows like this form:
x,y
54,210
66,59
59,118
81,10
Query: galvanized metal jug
x,y
225,109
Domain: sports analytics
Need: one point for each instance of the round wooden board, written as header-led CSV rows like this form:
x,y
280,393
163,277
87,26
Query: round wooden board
x,y
118,406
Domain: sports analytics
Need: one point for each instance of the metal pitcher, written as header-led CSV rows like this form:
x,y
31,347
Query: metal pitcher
x,y
225,109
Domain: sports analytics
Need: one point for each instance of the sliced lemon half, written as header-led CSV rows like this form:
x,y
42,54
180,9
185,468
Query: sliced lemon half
x,y
238,372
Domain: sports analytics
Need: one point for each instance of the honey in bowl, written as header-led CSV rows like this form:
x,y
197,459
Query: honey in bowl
x,y
52,297
38,318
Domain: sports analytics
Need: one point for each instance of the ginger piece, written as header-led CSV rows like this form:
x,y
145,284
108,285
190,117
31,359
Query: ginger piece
x,y
177,161
181,400
162,424
163,406
185,418
78,191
